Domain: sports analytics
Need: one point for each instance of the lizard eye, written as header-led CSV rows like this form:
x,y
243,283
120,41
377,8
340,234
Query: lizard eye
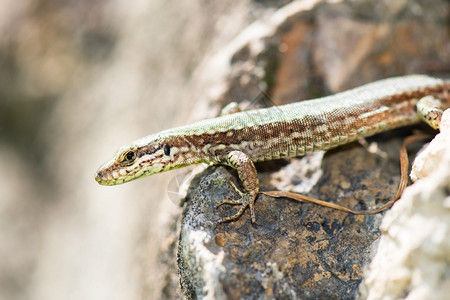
x,y
167,149
129,156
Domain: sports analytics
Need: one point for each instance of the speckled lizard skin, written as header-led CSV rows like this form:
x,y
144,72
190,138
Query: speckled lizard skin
x,y
240,139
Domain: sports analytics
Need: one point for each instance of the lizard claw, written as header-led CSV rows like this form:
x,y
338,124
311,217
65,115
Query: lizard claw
x,y
245,201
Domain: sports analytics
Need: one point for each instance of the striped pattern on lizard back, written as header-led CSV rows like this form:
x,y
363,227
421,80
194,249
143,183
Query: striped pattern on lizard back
x,y
303,127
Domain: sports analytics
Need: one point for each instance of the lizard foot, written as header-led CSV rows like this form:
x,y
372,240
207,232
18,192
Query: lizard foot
x,y
246,200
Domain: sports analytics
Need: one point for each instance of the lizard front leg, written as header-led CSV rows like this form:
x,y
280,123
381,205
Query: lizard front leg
x,y
249,177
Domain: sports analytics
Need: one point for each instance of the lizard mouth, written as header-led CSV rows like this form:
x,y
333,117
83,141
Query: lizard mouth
x,y
104,179
106,176
111,176
109,180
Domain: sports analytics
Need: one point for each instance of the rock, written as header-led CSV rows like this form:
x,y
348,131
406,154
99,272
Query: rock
x,y
431,158
294,249
412,260
300,250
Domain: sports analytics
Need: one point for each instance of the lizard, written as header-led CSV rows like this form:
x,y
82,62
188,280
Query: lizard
x,y
243,138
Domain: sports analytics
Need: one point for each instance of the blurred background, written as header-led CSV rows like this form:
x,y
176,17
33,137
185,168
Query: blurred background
x,y
79,79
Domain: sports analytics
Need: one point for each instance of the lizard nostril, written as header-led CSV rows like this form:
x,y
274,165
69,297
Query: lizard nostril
x,y
99,176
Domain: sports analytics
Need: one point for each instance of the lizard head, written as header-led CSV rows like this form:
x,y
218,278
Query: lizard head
x,y
147,156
